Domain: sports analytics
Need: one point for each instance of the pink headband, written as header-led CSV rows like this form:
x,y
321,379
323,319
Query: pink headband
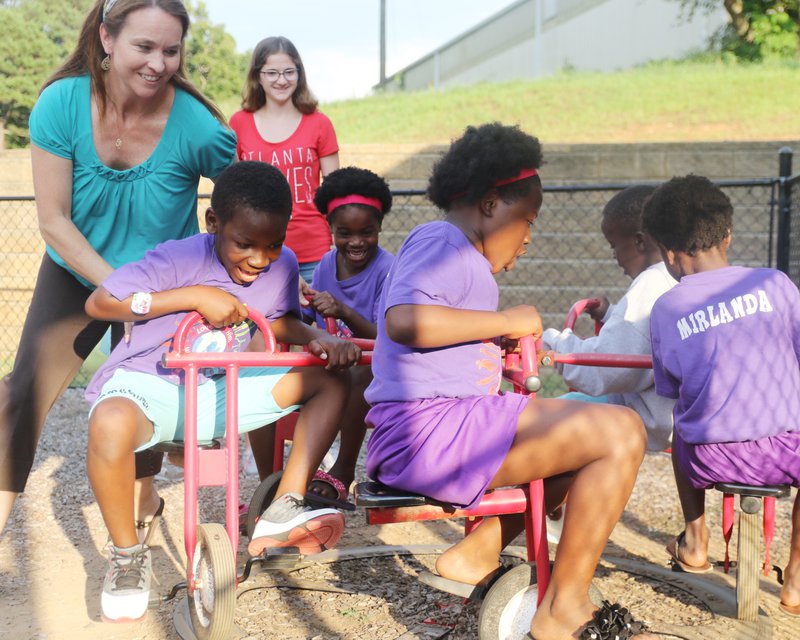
x,y
525,173
354,199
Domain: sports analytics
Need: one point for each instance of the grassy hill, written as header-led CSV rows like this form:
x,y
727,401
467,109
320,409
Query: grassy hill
x,y
664,102
659,102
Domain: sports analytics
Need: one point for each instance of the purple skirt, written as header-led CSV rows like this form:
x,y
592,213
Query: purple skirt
x,y
771,460
449,449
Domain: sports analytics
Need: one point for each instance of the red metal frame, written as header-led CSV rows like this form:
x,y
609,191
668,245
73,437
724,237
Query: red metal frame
x,y
728,511
284,428
527,499
220,467
578,308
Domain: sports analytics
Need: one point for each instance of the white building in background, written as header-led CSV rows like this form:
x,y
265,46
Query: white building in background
x,y
535,38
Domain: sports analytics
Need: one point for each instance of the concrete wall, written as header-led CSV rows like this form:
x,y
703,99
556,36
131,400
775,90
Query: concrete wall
x,y
534,38
407,166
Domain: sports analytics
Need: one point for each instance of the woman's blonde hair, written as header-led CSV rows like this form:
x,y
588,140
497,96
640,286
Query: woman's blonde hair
x,y
253,96
89,52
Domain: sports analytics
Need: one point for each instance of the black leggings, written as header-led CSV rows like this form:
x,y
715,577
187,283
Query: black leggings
x,y
56,338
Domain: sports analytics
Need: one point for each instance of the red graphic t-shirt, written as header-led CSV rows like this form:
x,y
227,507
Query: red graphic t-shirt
x,y
298,158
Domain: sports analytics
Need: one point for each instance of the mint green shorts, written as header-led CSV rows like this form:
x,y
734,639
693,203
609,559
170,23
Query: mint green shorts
x,y
163,402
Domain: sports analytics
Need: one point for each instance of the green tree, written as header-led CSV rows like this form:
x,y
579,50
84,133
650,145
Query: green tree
x,y
211,58
39,34
759,29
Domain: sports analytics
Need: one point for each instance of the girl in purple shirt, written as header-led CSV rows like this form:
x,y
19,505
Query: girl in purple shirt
x,y
347,286
441,427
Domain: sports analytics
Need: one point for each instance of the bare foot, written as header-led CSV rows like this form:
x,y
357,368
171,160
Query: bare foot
x,y
690,551
790,593
558,622
474,570
334,485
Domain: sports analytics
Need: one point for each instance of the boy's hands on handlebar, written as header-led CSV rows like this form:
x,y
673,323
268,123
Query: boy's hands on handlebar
x,y
219,307
340,354
523,320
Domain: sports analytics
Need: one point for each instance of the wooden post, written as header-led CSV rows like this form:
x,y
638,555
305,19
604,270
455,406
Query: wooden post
x,y
747,569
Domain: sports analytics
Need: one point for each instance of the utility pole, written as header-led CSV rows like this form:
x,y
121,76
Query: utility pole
x,y
383,41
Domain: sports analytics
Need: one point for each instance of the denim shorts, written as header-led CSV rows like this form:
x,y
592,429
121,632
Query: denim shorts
x,y
163,402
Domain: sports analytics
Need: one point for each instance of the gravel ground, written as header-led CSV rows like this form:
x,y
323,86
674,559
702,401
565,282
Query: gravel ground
x,y
51,566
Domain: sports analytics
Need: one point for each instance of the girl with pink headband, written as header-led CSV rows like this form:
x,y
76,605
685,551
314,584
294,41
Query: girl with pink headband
x,y
441,426
347,285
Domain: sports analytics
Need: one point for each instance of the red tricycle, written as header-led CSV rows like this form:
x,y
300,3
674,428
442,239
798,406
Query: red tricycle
x,y
211,572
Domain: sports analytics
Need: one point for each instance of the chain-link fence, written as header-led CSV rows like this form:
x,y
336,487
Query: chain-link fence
x,y
789,214
568,258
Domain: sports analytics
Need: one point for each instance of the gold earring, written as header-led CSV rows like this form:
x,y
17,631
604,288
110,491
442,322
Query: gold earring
x,y
105,65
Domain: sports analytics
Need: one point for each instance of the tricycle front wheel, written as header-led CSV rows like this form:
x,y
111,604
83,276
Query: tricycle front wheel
x,y
212,604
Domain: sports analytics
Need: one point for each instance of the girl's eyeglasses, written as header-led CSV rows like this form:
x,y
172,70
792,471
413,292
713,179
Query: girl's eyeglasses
x,y
272,75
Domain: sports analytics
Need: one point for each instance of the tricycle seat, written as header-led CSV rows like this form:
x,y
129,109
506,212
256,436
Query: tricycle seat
x,y
766,491
372,494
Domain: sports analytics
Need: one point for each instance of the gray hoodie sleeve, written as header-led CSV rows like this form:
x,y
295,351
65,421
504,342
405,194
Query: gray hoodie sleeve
x,y
626,330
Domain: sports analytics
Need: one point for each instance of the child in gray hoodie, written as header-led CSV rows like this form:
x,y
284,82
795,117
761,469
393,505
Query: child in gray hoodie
x,y
626,325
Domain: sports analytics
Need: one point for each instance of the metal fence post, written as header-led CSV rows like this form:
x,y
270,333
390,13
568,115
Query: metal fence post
x,y
784,208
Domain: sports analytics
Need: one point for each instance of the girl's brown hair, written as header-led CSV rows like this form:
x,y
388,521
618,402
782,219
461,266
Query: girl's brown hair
x,y
253,96
89,52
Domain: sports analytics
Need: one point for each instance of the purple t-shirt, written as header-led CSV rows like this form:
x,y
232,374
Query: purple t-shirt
x,y
726,344
361,293
437,265
184,263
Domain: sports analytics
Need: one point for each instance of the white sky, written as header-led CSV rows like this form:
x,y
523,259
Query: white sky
x,y
339,39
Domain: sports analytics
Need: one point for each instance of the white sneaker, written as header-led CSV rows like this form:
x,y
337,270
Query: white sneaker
x,y
290,522
126,588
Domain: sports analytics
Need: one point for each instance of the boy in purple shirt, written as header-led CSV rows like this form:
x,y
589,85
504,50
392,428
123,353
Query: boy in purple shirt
x,y
441,427
136,402
726,345
347,286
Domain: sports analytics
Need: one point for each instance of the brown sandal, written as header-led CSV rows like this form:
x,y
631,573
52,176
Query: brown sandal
x,y
674,548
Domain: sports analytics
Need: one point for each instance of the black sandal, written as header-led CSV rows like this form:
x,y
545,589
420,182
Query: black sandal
x,y
151,525
611,622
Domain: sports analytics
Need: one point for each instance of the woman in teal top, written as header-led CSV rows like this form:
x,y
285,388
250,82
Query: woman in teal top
x,y
120,139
